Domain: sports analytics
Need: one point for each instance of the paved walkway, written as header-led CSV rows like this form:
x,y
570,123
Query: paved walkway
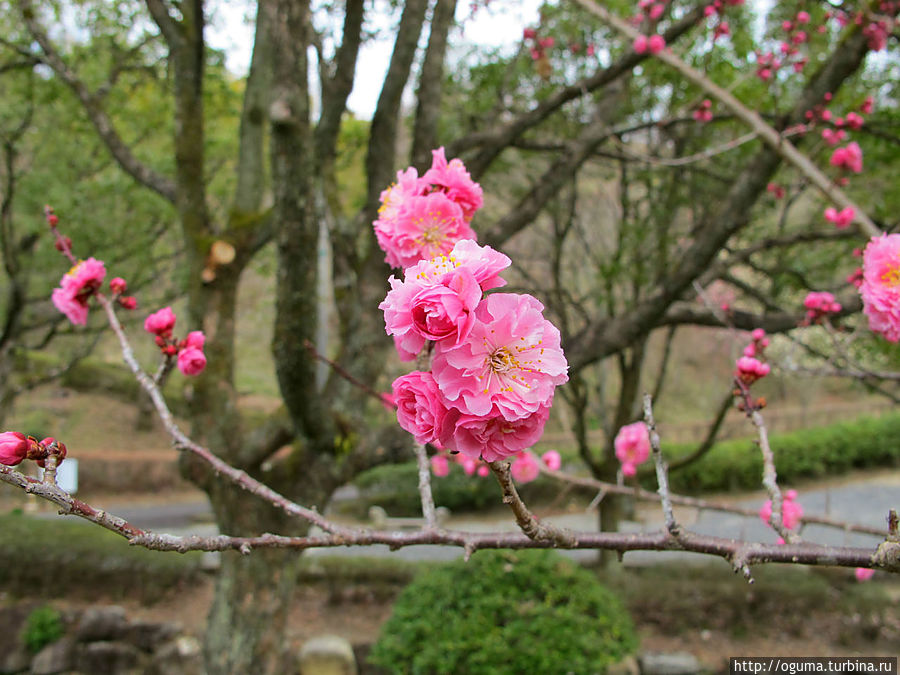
x,y
864,500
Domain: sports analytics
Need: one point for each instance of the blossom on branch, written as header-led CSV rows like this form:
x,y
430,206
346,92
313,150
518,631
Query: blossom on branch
x,y
880,288
76,287
511,361
13,447
420,408
437,298
161,322
632,445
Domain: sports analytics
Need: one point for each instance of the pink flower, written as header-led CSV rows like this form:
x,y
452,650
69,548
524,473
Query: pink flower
x,y
525,468
758,334
749,369
160,322
13,447
849,157
880,287
191,361
802,17
867,105
491,437
855,121
791,511
420,410
76,287
656,44
842,218
552,460
128,302
819,304
454,180
439,465
632,445
511,360
483,470
422,228
437,298
195,338
640,44
863,574
468,465
118,285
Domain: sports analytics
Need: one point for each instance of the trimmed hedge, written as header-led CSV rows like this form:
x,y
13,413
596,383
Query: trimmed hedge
x,y
81,558
810,453
506,612
728,466
394,487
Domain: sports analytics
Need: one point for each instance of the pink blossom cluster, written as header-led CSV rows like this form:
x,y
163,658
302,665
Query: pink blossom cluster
x,y
749,368
16,447
703,112
841,219
495,360
632,446
848,158
82,281
819,304
717,10
791,512
525,466
188,352
538,45
880,288
777,191
423,217
653,44
650,9
76,288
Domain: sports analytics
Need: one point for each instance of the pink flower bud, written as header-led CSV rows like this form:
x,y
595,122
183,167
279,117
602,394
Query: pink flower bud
x,y
161,322
50,446
802,17
524,468
13,447
196,339
483,470
640,44
863,574
656,44
191,361
128,302
552,460
758,334
439,466
118,285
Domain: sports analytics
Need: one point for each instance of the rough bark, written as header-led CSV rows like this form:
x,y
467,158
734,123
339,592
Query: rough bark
x,y
431,79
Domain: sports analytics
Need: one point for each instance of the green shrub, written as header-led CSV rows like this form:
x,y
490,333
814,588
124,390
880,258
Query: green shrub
x,y
505,612
809,453
394,487
43,626
84,559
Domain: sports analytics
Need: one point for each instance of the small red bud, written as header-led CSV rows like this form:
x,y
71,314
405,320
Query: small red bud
x,y
63,244
170,350
128,302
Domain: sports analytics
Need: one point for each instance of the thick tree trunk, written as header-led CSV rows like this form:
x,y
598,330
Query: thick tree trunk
x,y
254,592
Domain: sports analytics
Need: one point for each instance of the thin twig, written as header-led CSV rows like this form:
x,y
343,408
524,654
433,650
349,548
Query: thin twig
x,y
662,477
525,519
425,486
751,118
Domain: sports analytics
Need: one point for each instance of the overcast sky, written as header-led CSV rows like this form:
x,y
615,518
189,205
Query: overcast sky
x,y
501,23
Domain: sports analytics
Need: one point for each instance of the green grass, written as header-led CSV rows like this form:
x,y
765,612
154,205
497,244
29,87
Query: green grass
x,y
41,556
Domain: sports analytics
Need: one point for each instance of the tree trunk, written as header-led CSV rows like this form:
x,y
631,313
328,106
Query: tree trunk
x,y
253,595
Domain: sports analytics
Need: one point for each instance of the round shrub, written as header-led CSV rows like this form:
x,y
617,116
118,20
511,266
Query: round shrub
x,y
505,612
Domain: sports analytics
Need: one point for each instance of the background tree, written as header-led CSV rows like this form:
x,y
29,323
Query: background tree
x,y
540,130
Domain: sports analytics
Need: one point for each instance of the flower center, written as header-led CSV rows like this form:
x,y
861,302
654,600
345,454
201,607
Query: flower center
x,y
502,360
891,275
